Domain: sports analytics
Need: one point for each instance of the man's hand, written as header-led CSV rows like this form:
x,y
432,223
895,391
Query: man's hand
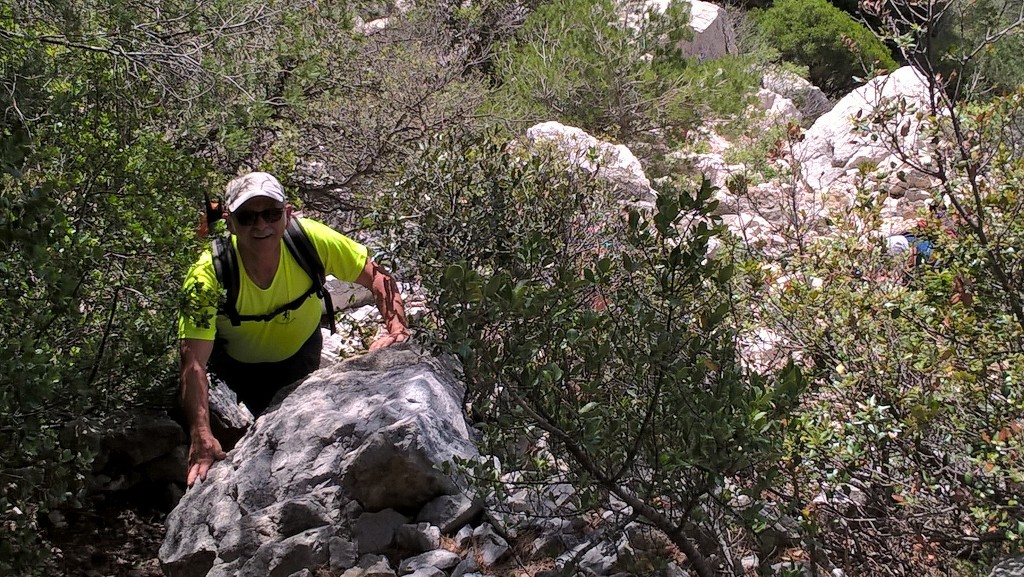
x,y
389,339
205,450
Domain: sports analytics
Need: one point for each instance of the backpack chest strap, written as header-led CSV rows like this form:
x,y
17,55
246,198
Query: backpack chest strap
x,y
225,263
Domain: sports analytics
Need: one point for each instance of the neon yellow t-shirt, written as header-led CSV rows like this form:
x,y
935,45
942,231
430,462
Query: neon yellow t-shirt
x,y
281,337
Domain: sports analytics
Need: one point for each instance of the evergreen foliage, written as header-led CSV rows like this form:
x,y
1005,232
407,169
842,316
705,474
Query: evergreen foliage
x,y
610,332
607,332
95,218
835,48
975,45
117,120
911,426
576,61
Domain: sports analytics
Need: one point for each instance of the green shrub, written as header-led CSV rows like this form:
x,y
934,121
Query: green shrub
x,y
573,61
610,334
834,47
911,427
721,88
97,217
993,69
917,383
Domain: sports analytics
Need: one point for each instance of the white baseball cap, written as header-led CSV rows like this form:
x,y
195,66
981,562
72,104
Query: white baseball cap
x,y
250,186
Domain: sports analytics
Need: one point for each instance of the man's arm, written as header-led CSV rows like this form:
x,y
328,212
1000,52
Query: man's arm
x,y
195,399
389,302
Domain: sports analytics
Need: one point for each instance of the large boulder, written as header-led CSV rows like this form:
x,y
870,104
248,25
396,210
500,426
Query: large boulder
x,y
1010,567
713,33
777,108
832,147
613,163
356,438
809,100
138,454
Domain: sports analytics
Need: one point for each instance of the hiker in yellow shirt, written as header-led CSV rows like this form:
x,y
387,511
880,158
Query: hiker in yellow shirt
x,y
270,336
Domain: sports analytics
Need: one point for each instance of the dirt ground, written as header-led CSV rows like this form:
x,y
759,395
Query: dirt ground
x,y
107,540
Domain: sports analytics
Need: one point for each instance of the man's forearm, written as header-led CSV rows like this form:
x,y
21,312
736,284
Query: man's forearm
x,y
389,303
393,311
195,398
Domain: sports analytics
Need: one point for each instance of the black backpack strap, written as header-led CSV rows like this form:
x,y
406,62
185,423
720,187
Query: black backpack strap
x,y
225,266
304,253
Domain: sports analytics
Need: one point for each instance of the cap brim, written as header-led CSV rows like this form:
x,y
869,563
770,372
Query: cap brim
x,y
249,195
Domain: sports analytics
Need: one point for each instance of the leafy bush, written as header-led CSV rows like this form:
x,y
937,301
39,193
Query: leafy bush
x,y
96,226
572,62
575,62
722,88
974,47
834,47
996,69
116,120
353,105
907,457
911,428
608,334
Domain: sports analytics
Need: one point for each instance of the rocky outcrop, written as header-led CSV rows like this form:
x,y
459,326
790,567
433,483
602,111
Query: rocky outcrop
x,y
1010,567
776,107
135,454
808,99
330,473
713,167
344,474
713,34
613,163
711,31
832,148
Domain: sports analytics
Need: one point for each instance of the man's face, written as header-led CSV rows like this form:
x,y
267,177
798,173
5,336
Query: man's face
x,y
251,223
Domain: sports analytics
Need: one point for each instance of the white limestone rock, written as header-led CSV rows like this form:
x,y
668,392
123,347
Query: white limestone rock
x,y
809,100
776,107
614,162
365,435
831,147
713,32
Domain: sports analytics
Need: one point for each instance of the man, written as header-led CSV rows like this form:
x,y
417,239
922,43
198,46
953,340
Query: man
x,y
921,251
257,358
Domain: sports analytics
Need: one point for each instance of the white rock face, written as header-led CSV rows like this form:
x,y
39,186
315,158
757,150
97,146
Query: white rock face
x,y
713,167
614,162
371,27
365,436
808,98
831,148
777,107
713,33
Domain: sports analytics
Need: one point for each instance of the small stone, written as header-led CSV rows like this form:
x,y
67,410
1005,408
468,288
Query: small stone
x,y
374,532
343,553
491,546
418,538
439,559
463,537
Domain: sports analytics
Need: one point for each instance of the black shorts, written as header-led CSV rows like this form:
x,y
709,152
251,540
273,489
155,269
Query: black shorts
x,y
257,383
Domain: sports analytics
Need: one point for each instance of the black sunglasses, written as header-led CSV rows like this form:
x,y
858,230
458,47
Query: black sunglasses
x,y
248,217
